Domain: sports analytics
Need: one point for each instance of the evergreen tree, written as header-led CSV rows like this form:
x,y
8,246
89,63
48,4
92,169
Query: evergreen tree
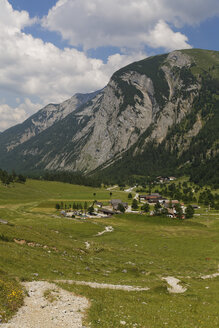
x,y
189,211
121,208
157,208
145,208
57,206
134,204
90,209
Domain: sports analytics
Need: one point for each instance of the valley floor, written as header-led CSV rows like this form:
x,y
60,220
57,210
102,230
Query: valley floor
x,y
147,272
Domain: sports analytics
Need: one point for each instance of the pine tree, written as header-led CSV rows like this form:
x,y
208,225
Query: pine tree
x,y
134,204
189,211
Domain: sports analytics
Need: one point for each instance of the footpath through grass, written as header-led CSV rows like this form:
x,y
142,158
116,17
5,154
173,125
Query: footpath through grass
x,y
39,244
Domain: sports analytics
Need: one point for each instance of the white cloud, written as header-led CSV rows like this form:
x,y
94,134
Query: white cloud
x,y
14,115
125,23
12,21
31,68
163,36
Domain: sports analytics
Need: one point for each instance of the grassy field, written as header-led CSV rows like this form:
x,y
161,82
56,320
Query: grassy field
x,y
140,251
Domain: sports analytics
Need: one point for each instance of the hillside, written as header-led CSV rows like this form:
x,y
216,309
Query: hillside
x,y
158,115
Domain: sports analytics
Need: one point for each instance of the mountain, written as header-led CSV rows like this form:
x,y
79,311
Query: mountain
x,y
42,120
156,115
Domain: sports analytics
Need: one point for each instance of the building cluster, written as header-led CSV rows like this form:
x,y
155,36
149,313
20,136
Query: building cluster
x,y
166,206
162,206
165,179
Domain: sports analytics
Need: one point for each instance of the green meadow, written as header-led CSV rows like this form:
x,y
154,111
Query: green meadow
x,y
39,244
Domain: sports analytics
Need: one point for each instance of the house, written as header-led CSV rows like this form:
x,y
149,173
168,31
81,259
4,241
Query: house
x,y
195,206
167,202
115,203
165,179
152,198
106,211
63,213
142,197
98,204
162,179
171,212
70,214
162,201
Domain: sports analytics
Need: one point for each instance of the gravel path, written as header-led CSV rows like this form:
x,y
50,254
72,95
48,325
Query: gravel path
x,y
213,275
65,310
209,276
108,286
174,285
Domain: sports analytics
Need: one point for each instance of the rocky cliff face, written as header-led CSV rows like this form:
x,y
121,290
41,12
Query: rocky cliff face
x,y
140,105
114,130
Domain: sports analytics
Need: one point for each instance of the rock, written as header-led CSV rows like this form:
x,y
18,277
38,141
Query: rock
x,y
122,322
3,221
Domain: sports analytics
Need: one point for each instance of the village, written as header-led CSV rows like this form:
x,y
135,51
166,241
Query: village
x,y
153,204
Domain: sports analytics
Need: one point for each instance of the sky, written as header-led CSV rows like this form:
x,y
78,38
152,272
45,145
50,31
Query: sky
x,y
52,49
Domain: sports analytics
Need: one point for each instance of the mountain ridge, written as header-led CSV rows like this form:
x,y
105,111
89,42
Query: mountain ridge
x,y
139,110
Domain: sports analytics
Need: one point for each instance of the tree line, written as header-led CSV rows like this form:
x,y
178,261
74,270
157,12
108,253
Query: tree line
x,y
8,178
71,177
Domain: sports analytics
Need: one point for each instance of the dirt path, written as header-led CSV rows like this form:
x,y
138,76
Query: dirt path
x,y
107,286
210,276
107,229
59,309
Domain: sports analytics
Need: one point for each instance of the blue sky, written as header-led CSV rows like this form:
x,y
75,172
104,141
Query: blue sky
x,y
51,49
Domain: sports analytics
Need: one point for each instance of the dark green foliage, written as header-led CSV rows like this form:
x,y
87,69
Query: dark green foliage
x,y
134,204
206,197
121,208
189,212
130,195
157,209
72,178
7,178
5,238
57,206
21,178
206,173
90,209
145,208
